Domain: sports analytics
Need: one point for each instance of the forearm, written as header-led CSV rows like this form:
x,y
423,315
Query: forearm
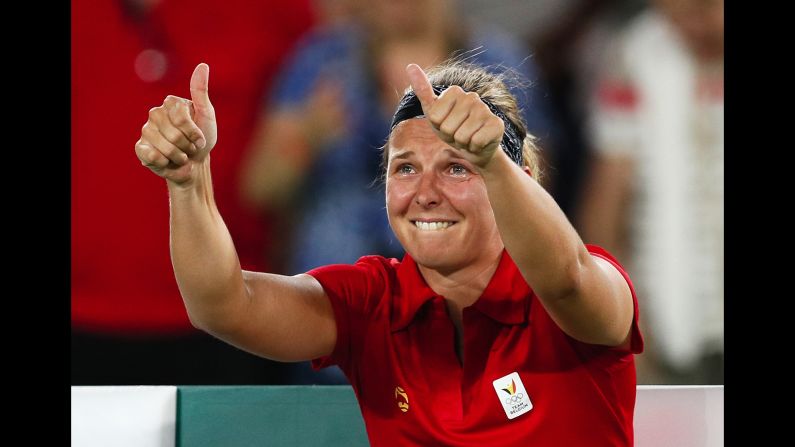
x,y
536,233
203,255
587,298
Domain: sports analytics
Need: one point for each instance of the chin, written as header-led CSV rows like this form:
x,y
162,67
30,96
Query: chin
x,y
436,259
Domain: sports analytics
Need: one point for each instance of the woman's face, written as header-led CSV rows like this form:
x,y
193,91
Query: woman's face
x,y
436,201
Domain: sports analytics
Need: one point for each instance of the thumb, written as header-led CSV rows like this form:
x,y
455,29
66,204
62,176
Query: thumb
x,y
421,86
199,87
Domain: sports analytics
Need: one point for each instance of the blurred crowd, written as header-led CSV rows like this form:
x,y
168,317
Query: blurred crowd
x,y
625,96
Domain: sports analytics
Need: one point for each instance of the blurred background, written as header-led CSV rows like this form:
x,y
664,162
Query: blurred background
x,y
626,97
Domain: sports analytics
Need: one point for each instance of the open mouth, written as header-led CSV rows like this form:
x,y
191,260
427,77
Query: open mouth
x,y
432,226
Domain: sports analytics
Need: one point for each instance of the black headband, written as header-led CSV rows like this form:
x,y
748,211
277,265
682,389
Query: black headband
x,y
512,138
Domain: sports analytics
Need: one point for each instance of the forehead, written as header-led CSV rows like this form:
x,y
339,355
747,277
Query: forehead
x,y
414,135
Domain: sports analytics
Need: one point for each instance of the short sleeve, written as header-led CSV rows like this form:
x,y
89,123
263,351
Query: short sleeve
x,y
354,291
636,339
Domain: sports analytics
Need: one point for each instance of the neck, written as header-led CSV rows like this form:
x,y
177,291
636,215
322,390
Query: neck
x,y
465,285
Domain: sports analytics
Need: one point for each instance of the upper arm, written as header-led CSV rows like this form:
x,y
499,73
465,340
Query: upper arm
x,y
601,310
618,302
286,318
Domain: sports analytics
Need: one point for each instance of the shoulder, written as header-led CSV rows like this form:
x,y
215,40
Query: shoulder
x,y
363,284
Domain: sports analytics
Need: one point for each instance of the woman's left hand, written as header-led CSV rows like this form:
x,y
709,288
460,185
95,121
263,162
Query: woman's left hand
x,y
460,118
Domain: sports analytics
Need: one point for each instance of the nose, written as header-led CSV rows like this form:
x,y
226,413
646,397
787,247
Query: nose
x,y
428,194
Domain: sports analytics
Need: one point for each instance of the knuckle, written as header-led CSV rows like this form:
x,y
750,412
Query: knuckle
x,y
151,157
154,111
146,155
168,150
172,135
194,135
499,125
482,140
179,118
448,128
435,117
461,138
159,162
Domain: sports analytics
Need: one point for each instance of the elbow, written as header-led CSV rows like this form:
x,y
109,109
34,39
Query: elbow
x,y
569,281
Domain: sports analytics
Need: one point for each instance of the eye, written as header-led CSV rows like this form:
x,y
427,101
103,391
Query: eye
x,y
458,170
405,169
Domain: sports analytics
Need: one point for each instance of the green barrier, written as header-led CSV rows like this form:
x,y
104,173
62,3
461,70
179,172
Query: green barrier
x,y
232,416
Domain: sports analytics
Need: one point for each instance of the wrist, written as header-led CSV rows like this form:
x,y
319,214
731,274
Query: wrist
x,y
198,179
497,165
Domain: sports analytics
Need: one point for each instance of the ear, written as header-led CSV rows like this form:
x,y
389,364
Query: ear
x,y
526,169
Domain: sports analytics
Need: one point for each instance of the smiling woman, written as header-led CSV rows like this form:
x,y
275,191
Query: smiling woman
x,y
499,325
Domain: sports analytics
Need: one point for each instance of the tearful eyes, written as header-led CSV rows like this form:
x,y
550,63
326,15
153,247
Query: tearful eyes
x,y
458,170
455,169
405,169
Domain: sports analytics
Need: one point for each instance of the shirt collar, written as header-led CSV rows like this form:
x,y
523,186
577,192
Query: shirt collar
x,y
505,299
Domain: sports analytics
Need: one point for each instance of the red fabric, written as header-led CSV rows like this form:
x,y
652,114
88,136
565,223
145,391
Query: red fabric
x,y
394,331
122,278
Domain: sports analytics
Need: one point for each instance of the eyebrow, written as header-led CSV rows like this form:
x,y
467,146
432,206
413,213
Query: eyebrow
x,y
402,155
408,154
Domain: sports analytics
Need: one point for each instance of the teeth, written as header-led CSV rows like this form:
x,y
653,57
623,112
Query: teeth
x,y
432,226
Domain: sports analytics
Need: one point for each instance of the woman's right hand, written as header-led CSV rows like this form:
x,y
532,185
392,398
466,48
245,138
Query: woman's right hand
x,y
181,133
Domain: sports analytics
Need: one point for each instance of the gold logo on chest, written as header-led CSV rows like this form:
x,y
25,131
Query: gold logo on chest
x,y
402,399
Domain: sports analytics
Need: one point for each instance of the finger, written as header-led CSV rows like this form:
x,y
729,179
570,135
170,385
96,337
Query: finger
x,y
463,135
160,143
179,116
176,137
443,106
149,156
464,105
199,88
421,86
488,135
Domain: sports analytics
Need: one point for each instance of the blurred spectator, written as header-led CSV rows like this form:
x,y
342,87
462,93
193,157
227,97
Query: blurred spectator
x,y
129,324
655,193
315,157
566,38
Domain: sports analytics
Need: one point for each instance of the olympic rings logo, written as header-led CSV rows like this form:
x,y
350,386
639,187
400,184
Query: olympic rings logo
x,y
515,399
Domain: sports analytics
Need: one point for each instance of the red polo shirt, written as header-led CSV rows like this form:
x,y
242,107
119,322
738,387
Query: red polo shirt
x,y
395,343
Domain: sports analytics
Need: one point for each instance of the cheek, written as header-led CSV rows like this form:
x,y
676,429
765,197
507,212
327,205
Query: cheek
x,y
398,196
469,195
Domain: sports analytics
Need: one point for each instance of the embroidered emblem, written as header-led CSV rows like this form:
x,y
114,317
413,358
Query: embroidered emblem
x,y
402,399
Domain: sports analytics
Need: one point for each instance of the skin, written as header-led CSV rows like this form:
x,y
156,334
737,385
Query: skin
x,y
445,167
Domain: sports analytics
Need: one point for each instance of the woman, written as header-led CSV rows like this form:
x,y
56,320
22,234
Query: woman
x,y
451,345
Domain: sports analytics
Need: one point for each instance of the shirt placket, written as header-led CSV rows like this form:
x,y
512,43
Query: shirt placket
x,y
445,373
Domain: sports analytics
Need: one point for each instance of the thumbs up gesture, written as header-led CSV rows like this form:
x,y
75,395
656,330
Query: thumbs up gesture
x,y
180,133
460,118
